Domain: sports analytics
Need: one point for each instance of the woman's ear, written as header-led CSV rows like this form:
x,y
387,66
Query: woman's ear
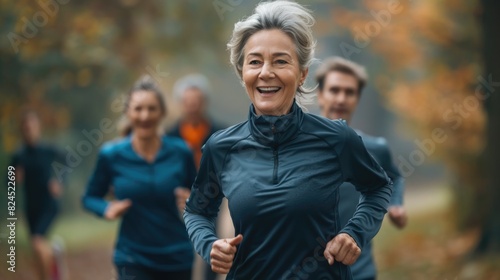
x,y
303,75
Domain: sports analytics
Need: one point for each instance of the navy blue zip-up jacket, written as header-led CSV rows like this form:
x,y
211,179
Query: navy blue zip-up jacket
x,y
281,177
40,205
364,267
37,164
151,232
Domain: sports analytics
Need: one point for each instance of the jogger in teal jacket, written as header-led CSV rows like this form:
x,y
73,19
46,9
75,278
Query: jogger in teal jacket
x,y
146,173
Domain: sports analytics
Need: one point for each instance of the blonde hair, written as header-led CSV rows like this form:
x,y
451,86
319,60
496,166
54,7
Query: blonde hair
x,y
144,83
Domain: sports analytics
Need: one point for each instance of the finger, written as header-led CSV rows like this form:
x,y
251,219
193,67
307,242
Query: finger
x,y
398,216
225,265
223,246
329,257
182,192
352,255
398,221
181,205
181,200
236,240
335,246
328,253
122,206
221,256
402,221
125,202
341,253
220,270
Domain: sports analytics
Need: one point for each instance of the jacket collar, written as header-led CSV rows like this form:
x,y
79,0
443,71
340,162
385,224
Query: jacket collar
x,y
132,154
275,130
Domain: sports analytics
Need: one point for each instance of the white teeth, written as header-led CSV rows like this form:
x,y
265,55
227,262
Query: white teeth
x,y
268,89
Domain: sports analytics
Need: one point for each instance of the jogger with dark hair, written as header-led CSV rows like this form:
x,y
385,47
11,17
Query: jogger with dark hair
x,y
33,164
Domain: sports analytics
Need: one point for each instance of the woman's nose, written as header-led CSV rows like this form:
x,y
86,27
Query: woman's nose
x,y
266,71
144,115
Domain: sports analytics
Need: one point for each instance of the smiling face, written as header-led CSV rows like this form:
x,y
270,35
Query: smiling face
x,y
339,96
145,114
271,72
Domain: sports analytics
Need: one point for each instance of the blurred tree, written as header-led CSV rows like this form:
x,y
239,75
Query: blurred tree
x,y
69,60
65,58
490,224
432,76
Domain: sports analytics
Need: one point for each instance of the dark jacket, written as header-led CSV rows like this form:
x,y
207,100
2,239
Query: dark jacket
x,y
37,161
151,232
364,267
281,177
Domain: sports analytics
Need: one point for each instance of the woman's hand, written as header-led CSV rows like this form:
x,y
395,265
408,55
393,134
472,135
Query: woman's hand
x,y
222,254
117,208
342,248
398,216
181,195
55,188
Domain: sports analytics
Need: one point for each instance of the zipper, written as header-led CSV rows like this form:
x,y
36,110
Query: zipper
x,y
275,156
152,169
275,170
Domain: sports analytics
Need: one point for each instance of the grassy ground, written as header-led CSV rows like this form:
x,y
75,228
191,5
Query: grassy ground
x,y
429,248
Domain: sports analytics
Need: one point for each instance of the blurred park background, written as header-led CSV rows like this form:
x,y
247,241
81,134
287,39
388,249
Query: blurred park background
x,y
433,93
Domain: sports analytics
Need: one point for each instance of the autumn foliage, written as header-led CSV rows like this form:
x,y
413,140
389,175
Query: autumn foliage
x,y
431,77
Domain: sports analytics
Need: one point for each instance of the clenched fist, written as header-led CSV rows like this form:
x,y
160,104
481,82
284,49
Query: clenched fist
x,y
222,254
398,216
342,248
117,208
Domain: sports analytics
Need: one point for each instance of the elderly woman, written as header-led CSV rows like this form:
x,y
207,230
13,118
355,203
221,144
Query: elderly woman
x,y
280,170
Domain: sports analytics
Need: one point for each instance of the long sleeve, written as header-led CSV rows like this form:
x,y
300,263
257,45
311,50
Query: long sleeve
x,y
203,205
98,186
397,180
58,156
190,170
360,169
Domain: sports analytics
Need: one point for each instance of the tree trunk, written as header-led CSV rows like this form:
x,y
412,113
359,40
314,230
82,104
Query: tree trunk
x,y
490,237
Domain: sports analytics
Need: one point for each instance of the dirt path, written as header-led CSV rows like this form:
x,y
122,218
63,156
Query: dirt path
x,y
89,264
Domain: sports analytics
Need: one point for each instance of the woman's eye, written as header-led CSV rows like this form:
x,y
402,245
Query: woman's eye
x,y
254,62
281,61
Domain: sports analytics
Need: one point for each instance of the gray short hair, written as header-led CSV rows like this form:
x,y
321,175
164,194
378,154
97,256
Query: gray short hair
x,y
289,17
196,81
